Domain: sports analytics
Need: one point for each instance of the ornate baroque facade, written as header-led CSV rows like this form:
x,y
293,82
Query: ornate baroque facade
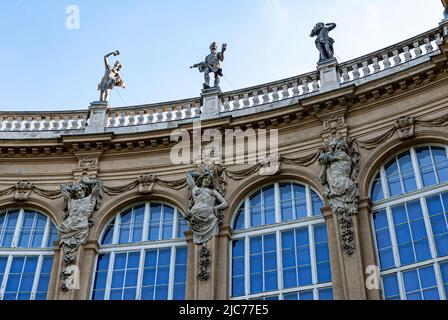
x,y
362,156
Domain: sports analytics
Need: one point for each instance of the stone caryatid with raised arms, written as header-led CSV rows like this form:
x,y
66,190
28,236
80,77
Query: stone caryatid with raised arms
x,y
81,199
324,42
339,161
212,64
111,78
206,206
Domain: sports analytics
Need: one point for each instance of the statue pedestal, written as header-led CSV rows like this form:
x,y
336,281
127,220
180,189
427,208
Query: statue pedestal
x,y
329,78
97,117
211,103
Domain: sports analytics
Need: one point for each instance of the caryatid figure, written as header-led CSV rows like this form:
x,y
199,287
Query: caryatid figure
x,y
324,42
111,78
212,64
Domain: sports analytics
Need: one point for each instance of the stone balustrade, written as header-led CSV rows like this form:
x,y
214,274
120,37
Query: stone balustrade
x,y
276,94
271,92
154,113
43,121
392,56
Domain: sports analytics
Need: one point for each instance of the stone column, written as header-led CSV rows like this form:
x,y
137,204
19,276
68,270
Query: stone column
x,y
216,287
86,269
347,270
329,77
367,244
85,261
97,117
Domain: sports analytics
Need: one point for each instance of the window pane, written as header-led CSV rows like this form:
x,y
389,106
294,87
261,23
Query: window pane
x,y
407,172
300,201
377,189
255,210
239,220
326,294
317,204
393,179
426,166
286,202
269,205
391,289
441,163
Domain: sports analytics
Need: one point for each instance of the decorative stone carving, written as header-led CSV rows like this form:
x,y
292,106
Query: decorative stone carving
x,y
212,64
324,43
334,123
23,190
111,78
88,163
339,161
81,199
146,183
405,127
204,264
206,204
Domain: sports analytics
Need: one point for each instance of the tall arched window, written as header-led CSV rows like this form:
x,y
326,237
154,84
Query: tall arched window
x,y
410,217
280,246
143,255
26,254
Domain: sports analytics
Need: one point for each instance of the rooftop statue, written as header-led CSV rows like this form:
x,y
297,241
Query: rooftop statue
x,y
212,64
111,78
324,42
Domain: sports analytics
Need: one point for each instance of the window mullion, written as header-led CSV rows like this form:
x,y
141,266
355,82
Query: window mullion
x,y
436,173
46,236
393,237
279,261
401,286
308,202
293,201
410,231
439,280
416,167
384,183
162,218
141,267
171,273
247,218
176,217
146,222
36,277
156,271
247,265
131,225
277,199
428,227
312,255
116,234
110,272
32,231
15,239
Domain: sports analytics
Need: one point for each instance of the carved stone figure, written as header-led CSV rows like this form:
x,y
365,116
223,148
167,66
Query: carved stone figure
x,y
81,199
23,190
324,42
339,161
206,206
212,64
111,78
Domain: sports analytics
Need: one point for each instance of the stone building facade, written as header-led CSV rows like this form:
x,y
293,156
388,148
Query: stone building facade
x,y
279,237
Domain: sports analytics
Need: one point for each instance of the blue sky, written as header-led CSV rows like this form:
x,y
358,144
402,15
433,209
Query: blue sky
x,y
45,66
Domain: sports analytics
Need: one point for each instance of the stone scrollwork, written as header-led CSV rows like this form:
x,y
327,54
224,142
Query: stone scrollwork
x,y
204,264
339,161
82,199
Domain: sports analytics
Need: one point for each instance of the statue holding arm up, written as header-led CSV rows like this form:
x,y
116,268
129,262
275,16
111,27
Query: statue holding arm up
x,y
324,42
111,78
212,64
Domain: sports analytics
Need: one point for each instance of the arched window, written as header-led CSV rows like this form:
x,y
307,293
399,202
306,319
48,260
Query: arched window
x,y
410,217
143,255
26,254
280,246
